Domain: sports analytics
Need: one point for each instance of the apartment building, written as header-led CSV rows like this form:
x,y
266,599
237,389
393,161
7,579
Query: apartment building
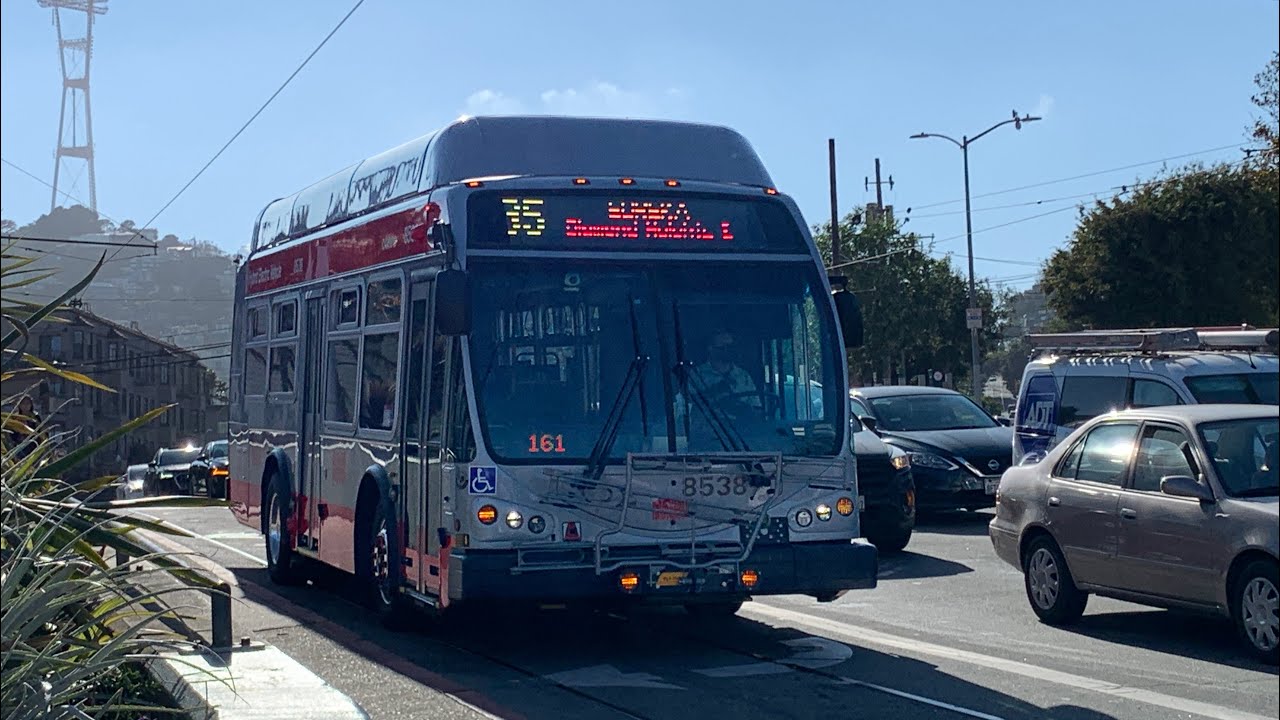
x,y
144,372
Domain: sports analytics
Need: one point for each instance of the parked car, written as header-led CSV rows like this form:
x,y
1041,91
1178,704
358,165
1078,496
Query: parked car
x,y
1171,506
168,473
957,450
1077,376
209,470
886,489
129,485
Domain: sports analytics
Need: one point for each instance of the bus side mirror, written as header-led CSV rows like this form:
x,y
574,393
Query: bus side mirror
x,y
849,313
453,302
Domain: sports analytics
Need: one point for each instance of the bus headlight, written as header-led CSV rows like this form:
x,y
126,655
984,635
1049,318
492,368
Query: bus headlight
x,y
537,524
844,506
804,518
487,514
824,512
514,519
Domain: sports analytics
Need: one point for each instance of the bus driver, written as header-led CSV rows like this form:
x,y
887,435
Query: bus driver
x,y
721,379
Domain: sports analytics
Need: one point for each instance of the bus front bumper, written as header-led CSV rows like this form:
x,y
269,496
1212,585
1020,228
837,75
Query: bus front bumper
x,y
822,569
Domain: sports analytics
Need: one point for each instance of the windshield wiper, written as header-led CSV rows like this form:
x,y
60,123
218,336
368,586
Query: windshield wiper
x,y
609,433
724,431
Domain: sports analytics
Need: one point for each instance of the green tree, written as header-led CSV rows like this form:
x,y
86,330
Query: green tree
x,y
913,304
1197,248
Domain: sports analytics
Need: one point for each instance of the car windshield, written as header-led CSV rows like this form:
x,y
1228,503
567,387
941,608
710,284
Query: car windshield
x,y
178,456
1260,388
218,449
911,413
554,349
1244,454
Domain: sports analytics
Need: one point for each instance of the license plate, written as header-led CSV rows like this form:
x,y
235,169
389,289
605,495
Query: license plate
x,y
671,578
991,485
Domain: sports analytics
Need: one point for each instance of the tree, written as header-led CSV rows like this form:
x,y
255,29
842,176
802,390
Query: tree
x,y
1266,129
1197,248
913,304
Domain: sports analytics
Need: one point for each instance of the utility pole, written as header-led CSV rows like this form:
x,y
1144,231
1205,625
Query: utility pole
x,y
835,208
866,183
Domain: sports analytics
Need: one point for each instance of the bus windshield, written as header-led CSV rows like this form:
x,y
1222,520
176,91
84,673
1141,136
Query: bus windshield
x,y
553,344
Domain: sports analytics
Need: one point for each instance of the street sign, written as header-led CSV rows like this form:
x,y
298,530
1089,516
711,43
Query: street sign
x,y
973,318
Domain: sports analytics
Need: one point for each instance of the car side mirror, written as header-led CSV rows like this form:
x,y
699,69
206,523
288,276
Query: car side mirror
x,y
868,422
1005,421
855,425
1185,486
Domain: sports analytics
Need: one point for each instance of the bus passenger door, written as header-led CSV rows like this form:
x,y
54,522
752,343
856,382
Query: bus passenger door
x,y
309,451
413,471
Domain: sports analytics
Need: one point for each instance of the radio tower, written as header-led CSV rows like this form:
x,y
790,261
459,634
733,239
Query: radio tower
x,y
75,134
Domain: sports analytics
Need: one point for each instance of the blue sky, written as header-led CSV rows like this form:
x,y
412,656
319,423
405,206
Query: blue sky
x,y
1118,83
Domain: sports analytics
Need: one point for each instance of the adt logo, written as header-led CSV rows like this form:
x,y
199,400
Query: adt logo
x,y
484,481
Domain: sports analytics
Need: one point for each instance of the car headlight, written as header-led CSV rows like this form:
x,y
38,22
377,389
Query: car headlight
x,y
932,461
899,459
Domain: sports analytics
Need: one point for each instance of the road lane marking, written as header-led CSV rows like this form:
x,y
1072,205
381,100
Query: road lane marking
x,y
206,538
812,653
857,634
921,699
598,676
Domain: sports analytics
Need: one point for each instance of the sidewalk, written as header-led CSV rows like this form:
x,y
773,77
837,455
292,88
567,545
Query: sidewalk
x,y
258,681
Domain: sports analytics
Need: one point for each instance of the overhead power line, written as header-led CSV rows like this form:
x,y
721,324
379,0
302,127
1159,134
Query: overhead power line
x,y
253,117
68,241
1085,175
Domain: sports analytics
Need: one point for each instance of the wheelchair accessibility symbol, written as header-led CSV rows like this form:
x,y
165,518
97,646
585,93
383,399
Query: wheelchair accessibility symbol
x,y
484,481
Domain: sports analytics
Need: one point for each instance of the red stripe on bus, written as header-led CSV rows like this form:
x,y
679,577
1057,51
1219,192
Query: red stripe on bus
x,y
366,245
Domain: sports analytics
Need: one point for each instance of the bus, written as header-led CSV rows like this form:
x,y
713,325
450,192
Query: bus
x,y
550,360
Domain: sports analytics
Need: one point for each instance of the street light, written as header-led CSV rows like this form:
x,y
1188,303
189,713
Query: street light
x,y
964,144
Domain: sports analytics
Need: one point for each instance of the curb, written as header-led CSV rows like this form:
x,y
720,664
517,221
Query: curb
x,y
257,681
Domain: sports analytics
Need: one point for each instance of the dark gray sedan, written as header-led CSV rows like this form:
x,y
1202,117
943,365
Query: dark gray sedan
x,y
1169,506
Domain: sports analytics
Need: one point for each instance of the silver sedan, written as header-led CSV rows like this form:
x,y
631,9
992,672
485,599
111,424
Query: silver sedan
x,y
1171,507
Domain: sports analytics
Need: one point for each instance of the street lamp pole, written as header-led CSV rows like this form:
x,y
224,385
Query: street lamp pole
x,y
974,327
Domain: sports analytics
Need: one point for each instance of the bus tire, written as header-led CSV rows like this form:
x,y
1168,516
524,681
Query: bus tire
x,y
282,564
378,564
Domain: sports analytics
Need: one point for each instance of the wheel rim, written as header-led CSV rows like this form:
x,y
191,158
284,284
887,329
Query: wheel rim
x,y
1044,579
380,565
275,529
1258,613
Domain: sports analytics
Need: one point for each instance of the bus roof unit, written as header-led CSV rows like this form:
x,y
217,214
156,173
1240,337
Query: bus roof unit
x,y
1156,340
477,147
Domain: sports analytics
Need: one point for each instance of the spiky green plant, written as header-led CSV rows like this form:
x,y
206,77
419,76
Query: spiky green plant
x,y
68,618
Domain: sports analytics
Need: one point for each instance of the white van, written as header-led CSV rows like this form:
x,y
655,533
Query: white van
x,y
1073,377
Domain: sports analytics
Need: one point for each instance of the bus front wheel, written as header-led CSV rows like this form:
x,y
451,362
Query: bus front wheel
x,y
378,565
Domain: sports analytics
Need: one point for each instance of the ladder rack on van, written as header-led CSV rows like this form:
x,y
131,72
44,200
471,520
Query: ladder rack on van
x,y
1158,340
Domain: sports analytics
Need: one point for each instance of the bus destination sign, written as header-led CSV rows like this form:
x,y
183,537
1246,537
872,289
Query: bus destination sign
x,y
581,221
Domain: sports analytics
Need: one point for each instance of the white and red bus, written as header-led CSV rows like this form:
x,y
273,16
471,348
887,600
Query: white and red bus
x,y
548,359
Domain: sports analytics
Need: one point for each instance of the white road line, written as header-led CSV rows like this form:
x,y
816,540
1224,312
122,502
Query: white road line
x,y
853,633
207,539
922,699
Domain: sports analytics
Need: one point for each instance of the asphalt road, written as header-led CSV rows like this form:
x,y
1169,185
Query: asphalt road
x,y
947,634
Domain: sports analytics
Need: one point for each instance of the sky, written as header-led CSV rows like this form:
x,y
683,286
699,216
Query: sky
x,y
1124,88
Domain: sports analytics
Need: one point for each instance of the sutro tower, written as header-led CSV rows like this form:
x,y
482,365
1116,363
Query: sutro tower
x,y
75,133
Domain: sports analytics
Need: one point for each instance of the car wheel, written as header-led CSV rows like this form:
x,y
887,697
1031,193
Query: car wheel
x,y
718,610
1255,602
1050,589
281,561
890,540
377,565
